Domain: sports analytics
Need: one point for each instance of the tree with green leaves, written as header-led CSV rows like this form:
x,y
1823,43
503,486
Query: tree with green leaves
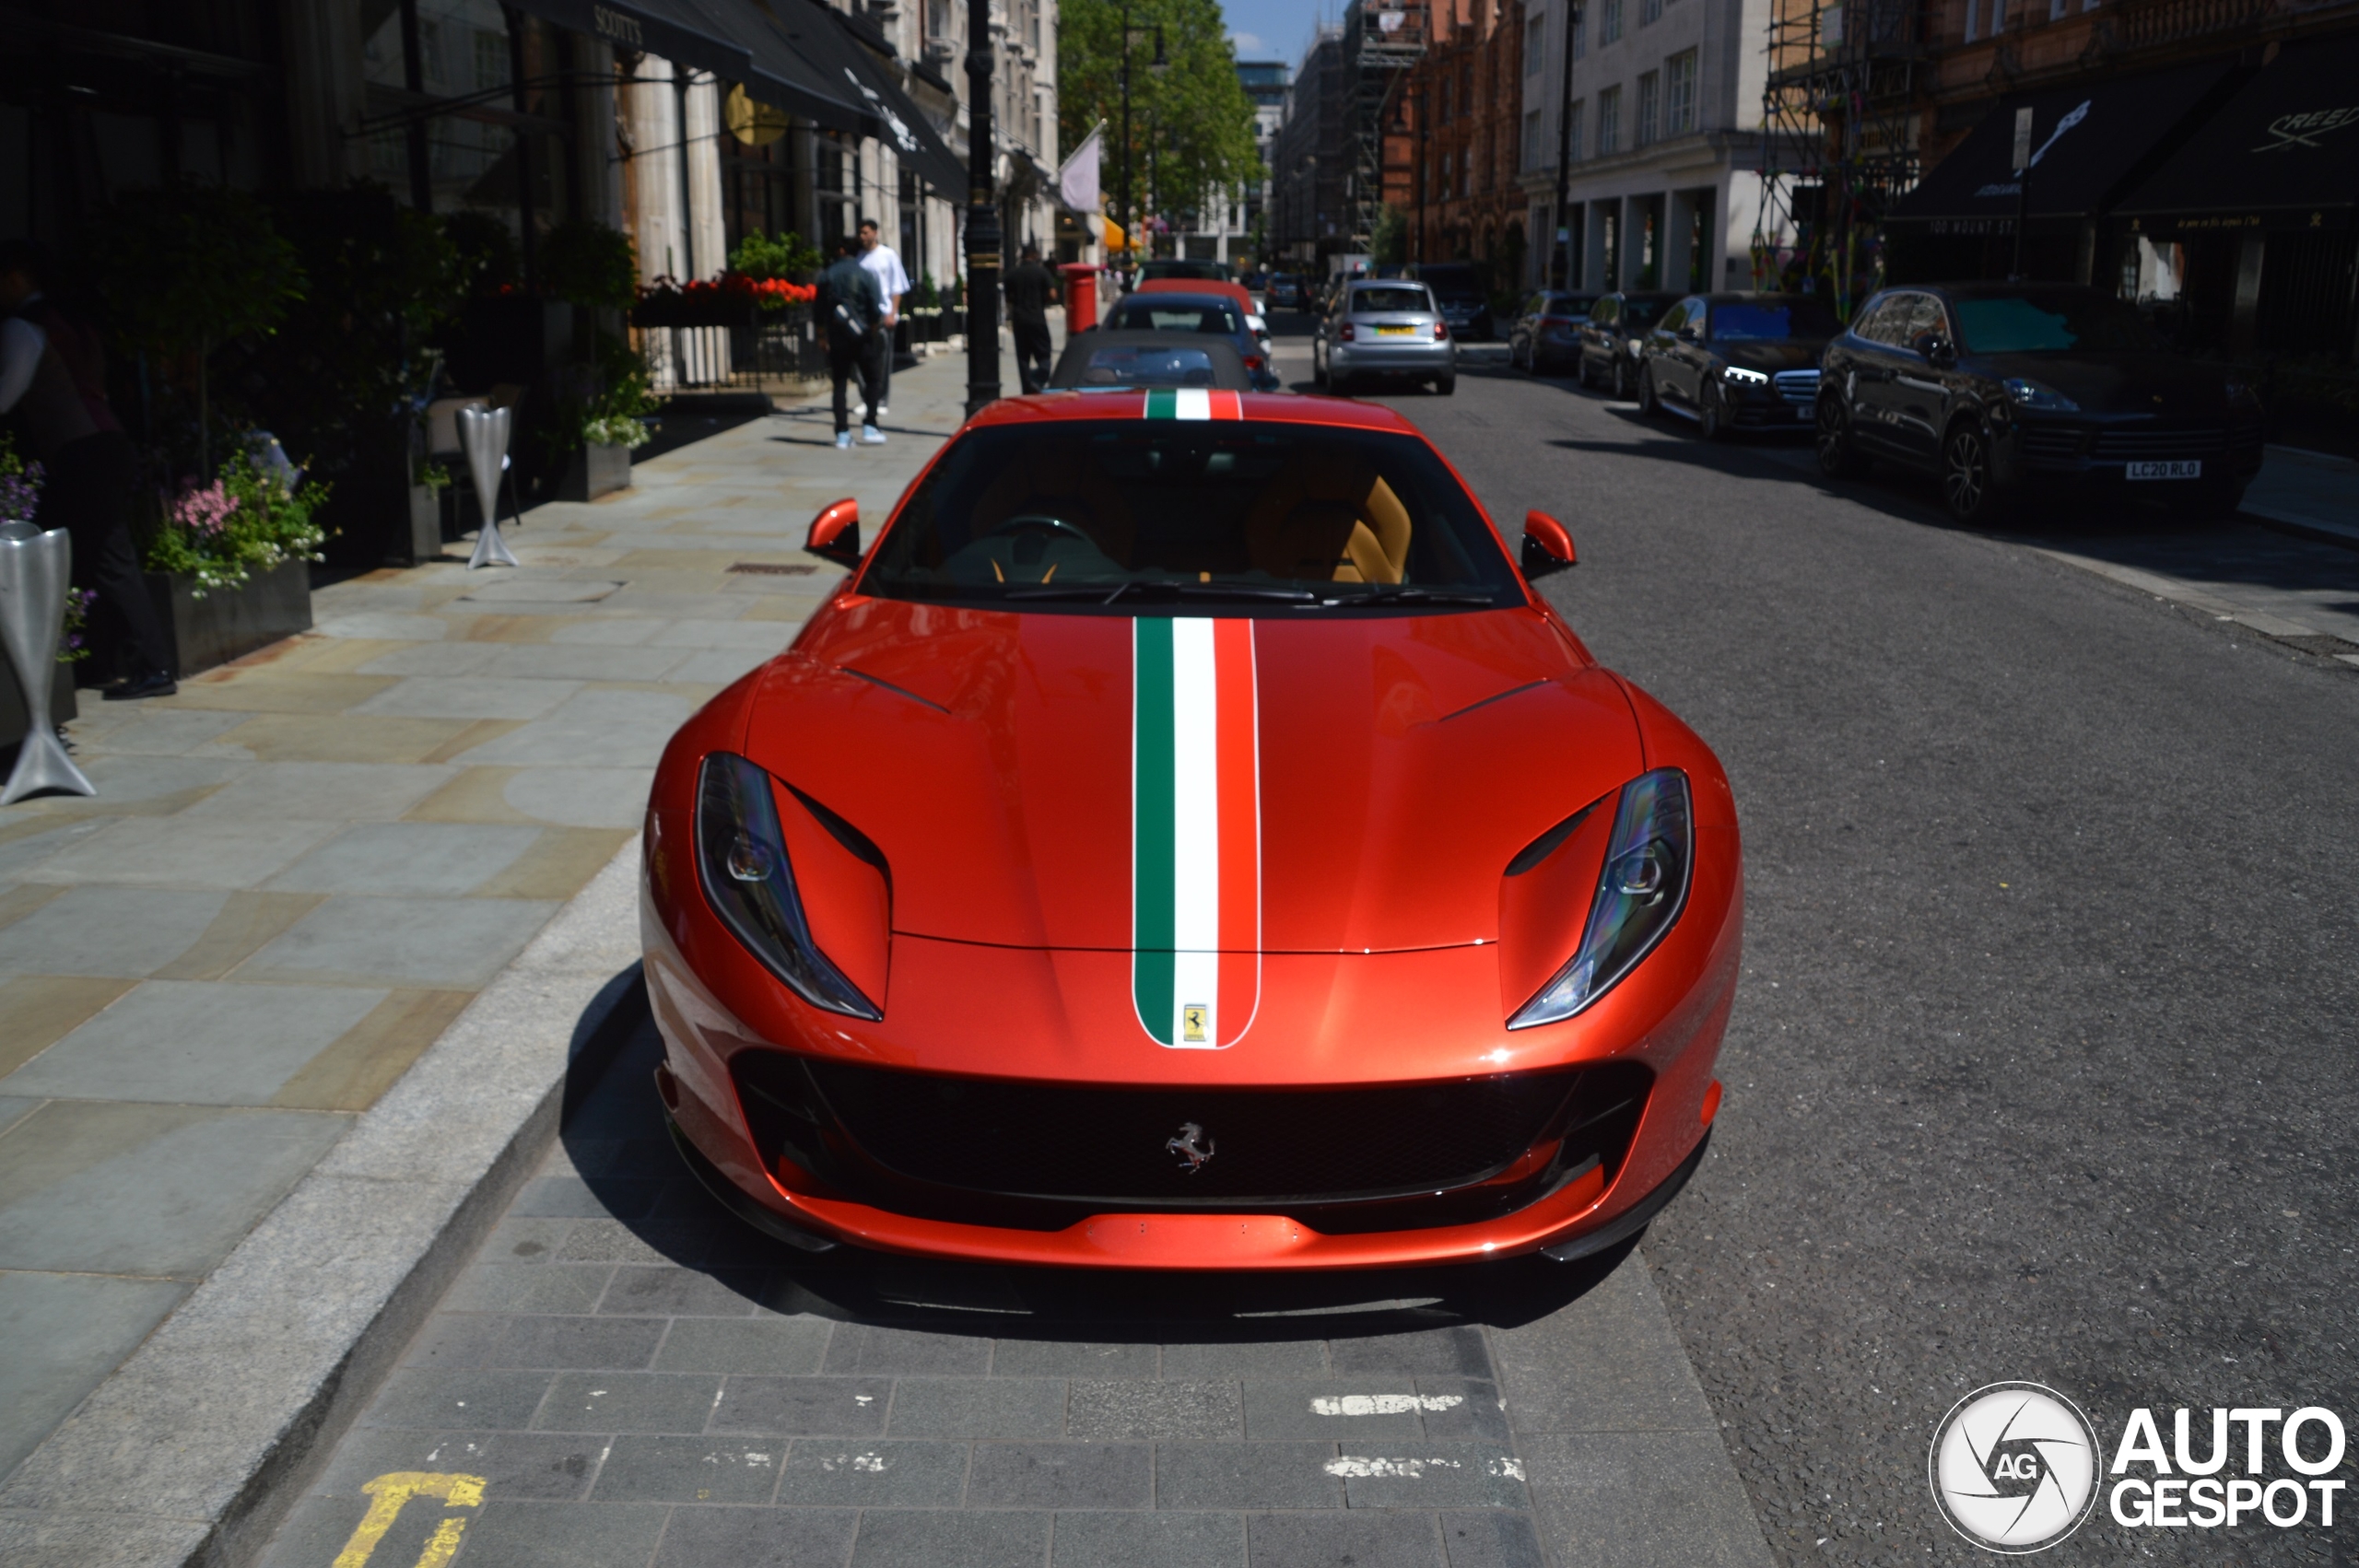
x,y
1192,125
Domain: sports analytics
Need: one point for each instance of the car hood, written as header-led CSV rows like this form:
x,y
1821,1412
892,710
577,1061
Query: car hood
x,y
1402,762
2162,386
1772,357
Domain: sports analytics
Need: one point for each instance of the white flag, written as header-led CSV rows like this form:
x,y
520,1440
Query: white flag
x,y
1077,176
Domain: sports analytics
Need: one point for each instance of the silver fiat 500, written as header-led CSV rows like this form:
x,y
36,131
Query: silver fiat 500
x,y
1385,329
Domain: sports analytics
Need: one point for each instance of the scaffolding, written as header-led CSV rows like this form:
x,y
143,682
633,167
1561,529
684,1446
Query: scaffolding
x,y
1838,143
1383,41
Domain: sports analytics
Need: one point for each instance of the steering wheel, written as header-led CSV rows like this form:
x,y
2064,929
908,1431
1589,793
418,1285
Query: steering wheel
x,y
1041,522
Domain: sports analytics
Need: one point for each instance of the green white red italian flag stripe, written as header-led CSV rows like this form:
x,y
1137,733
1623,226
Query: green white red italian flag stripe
x,y
1195,831
1191,402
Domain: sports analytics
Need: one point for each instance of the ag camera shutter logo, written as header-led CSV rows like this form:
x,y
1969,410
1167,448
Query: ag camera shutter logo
x,y
2014,1468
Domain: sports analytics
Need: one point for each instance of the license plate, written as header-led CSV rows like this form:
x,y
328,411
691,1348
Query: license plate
x,y
2187,468
1395,331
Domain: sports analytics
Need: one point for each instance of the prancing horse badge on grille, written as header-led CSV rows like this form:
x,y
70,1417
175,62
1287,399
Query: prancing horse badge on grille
x,y
1191,1145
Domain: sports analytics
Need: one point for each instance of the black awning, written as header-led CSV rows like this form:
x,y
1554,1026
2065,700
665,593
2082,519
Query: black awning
x,y
823,36
2288,141
2090,144
780,75
665,28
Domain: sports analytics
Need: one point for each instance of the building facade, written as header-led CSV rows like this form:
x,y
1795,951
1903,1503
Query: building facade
x,y
1464,107
1660,123
1308,220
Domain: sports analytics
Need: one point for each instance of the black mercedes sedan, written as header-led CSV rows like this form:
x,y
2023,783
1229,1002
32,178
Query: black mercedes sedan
x,y
1737,361
2010,393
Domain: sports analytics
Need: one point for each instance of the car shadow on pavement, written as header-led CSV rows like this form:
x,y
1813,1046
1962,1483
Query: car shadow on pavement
x,y
614,1137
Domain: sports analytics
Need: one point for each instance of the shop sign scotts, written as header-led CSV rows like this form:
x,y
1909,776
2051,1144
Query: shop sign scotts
x,y
903,138
2290,131
616,26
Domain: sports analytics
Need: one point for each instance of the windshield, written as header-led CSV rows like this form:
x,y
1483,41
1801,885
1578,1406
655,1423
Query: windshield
x,y
1149,366
1393,299
1170,314
2051,324
1137,515
1769,321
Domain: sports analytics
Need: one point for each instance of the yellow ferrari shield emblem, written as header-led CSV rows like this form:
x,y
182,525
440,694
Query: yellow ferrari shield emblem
x,y
1191,1022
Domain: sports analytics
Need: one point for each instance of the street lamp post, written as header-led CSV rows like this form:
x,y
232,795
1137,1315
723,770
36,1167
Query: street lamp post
x,y
1565,137
982,216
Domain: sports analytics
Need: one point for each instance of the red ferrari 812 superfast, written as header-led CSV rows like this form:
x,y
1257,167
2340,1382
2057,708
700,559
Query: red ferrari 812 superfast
x,y
1185,840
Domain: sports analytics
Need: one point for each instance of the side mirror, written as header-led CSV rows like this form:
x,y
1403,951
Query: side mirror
x,y
1546,546
1691,332
835,533
1935,348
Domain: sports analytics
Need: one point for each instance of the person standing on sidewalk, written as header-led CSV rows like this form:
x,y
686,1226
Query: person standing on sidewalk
x,y
851,308
883,264
1031,288
52,380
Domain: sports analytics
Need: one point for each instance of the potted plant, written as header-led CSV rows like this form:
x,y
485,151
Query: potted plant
x,y
19,501
601,420
954,313
229,565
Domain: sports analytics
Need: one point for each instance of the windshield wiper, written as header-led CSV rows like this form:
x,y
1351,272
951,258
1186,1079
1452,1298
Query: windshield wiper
x,y
1406,594
1150,586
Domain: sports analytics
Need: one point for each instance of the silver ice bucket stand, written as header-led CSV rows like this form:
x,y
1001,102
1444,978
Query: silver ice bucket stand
x,y
484,433
35,570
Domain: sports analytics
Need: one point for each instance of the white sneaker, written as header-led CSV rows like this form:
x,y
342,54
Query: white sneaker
x,y
843,439
882,410
870,436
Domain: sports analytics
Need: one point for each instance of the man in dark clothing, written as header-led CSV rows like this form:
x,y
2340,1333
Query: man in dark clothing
x,y
52,379
1031,288
851,313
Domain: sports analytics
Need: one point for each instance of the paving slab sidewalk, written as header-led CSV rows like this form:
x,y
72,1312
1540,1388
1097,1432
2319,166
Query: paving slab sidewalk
x,y
301,869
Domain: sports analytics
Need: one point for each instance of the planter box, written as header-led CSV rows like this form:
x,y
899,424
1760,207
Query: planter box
x,y
594,470
953,323
425,525
230,622
12,705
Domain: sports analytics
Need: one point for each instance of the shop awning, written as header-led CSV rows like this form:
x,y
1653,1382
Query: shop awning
x,y
2090,144
820,35
669,29
2287,143
780,74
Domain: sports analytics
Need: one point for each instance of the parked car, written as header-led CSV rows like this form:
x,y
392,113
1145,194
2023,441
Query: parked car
x,y
1459,290
1387,329
2016,391
1256,321
1548,333
1205,272
1065,899
1116,361
1165,310
1288,289
1737,361
1612,337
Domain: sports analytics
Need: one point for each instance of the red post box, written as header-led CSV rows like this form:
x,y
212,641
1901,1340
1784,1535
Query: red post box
x,y
1081,296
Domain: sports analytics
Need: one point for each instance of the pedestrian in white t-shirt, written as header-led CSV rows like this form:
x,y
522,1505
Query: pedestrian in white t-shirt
x,y
883,264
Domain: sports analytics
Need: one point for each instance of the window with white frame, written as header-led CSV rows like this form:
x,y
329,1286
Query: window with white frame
x,y
1679,110
1535,43
1573,132
1609,22
1650,106
1609,122
1531,139
1580,34
1650,11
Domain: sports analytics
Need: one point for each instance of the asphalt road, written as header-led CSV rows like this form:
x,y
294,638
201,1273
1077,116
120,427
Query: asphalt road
x,y
2042,1066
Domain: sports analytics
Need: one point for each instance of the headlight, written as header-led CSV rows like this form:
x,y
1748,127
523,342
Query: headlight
x,y
2032,395
1634,348
1648,865
741,861
1739,376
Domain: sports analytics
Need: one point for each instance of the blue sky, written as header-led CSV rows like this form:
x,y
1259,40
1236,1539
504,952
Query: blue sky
x,y
1276,29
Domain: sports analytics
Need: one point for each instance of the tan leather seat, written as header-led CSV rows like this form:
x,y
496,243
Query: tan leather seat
x,y
1329,517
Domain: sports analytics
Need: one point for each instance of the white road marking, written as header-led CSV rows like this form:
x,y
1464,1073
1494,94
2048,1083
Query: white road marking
x,y
1383,1404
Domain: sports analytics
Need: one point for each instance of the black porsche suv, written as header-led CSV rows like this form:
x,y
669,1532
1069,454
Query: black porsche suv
x,y
2010,393
1737,361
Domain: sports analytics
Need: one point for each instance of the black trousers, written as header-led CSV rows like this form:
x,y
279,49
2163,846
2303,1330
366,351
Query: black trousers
x,y
847,361
1032,353
89,494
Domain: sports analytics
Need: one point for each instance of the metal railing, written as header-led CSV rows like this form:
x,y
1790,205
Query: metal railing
x,y
781,355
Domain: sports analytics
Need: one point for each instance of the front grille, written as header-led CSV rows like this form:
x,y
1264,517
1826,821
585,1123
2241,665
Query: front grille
x,y
2140,443
2052,443
1797,387
1040,1156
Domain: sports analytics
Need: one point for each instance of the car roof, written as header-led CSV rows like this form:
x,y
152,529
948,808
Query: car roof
x,y
1176,291
1747,297
1987,287
1227,363
1235,293
1275,408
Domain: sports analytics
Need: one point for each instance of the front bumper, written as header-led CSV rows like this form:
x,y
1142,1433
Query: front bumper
x,y
2066,453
